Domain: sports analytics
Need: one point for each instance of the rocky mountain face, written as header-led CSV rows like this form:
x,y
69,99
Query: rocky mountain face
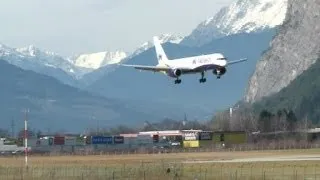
x,y
293,50
301,96
241,16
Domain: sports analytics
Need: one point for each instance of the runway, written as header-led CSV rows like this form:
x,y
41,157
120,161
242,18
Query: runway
x,y
260,159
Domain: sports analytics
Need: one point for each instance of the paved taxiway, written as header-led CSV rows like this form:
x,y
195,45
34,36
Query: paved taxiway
x,y
261,159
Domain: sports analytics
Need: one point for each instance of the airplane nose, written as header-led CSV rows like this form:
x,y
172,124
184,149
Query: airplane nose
x,y
223,63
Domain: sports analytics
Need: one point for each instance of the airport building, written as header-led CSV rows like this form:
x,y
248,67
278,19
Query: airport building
x,y
147,140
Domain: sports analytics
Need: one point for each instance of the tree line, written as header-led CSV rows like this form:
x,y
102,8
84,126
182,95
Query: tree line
x,y
241,120
265,121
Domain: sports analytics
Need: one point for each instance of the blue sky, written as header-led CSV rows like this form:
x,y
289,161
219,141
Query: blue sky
x,y
85,26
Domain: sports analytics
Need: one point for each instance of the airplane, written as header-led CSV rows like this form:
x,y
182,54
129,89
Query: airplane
x,y
174,68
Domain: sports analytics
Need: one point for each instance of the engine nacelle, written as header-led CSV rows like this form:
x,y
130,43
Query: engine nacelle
x,y
222,71
177,72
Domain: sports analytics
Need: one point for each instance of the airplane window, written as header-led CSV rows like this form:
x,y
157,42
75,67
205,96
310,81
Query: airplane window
x,y
222,58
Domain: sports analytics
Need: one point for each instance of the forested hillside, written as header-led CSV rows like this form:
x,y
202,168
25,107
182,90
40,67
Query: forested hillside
x,y
302,96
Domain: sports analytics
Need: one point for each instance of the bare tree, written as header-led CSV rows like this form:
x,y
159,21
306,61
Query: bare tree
x,y
304,124
221,121
282,122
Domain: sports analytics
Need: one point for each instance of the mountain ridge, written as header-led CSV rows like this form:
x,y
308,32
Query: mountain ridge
x,y
239,17
293,50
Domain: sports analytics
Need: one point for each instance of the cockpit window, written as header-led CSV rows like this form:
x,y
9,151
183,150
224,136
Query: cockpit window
x,y
222,58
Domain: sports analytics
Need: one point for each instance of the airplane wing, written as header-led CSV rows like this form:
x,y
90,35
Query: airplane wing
x,y
147,68
236,61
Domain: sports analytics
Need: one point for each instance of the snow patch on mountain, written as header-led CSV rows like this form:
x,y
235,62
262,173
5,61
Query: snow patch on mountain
x,y
251,15
50,59
241,16
100,59
35,59
163,38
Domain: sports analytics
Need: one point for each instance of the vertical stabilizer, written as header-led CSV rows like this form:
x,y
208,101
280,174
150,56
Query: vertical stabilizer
x,y
161,55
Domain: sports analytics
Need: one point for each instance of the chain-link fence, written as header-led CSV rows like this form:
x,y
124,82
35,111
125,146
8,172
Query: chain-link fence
x,y
161,171
88,150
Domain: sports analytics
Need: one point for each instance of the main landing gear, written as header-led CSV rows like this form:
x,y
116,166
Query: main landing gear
x,y
218,74
202,80
177,81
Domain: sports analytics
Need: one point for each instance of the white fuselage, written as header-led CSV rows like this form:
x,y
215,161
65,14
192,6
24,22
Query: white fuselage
x,y
193,62
188,65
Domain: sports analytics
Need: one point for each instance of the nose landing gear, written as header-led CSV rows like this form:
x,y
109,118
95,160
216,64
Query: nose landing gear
x,y
202,80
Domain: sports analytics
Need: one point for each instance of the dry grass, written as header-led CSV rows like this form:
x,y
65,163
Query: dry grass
x,y
154,166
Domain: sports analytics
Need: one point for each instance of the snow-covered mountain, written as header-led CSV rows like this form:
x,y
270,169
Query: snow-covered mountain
x,y
100,59
67,70
241,16
43,62
176,39
50,59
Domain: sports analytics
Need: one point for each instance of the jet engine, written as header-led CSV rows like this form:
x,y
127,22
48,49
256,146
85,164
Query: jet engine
x,y
219,71
177,72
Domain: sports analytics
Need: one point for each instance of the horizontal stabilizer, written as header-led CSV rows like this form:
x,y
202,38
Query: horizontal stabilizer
x,y
149,68
237,61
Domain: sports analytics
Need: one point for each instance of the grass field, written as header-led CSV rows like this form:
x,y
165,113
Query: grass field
x,y
155,166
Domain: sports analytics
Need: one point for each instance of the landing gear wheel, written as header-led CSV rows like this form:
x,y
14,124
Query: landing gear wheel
x,y
218,77
178,81
202,80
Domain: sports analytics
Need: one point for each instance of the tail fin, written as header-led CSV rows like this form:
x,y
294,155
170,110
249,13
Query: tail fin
x,y
161,55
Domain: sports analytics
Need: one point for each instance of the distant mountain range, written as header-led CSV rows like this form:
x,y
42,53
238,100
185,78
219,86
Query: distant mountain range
x,y
55,105
242,16
117,93
70,70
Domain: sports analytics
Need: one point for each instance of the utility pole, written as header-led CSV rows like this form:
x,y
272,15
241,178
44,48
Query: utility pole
x,y
12,128
231,109
26,137
97,127
230,116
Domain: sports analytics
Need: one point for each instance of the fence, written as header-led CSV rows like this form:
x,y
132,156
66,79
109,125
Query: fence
x,y
148,168
263,146
159,171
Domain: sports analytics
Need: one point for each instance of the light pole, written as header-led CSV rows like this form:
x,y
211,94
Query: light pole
x,y
231,109
26,111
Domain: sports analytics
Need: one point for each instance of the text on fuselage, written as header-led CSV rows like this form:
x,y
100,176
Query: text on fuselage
x,y
201,61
